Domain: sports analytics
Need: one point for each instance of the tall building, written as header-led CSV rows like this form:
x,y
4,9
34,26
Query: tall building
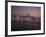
x,y
24,17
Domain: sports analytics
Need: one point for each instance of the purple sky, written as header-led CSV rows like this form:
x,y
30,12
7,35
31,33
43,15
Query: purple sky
x,y
23,10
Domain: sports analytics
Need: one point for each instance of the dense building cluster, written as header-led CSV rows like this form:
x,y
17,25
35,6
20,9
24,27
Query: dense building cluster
x,y
25,18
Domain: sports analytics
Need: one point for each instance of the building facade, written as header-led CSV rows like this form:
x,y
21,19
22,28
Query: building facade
x,y
24,18
28,18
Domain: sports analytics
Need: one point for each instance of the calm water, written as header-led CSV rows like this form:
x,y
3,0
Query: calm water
x,y
25,25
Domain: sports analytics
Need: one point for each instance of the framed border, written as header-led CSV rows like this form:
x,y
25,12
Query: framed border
x,y
6,18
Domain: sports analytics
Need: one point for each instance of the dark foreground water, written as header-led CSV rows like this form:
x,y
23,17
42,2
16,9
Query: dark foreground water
x,y
25,25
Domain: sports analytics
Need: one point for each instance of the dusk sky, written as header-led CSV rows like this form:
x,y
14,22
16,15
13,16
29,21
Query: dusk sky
x,y
23,10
